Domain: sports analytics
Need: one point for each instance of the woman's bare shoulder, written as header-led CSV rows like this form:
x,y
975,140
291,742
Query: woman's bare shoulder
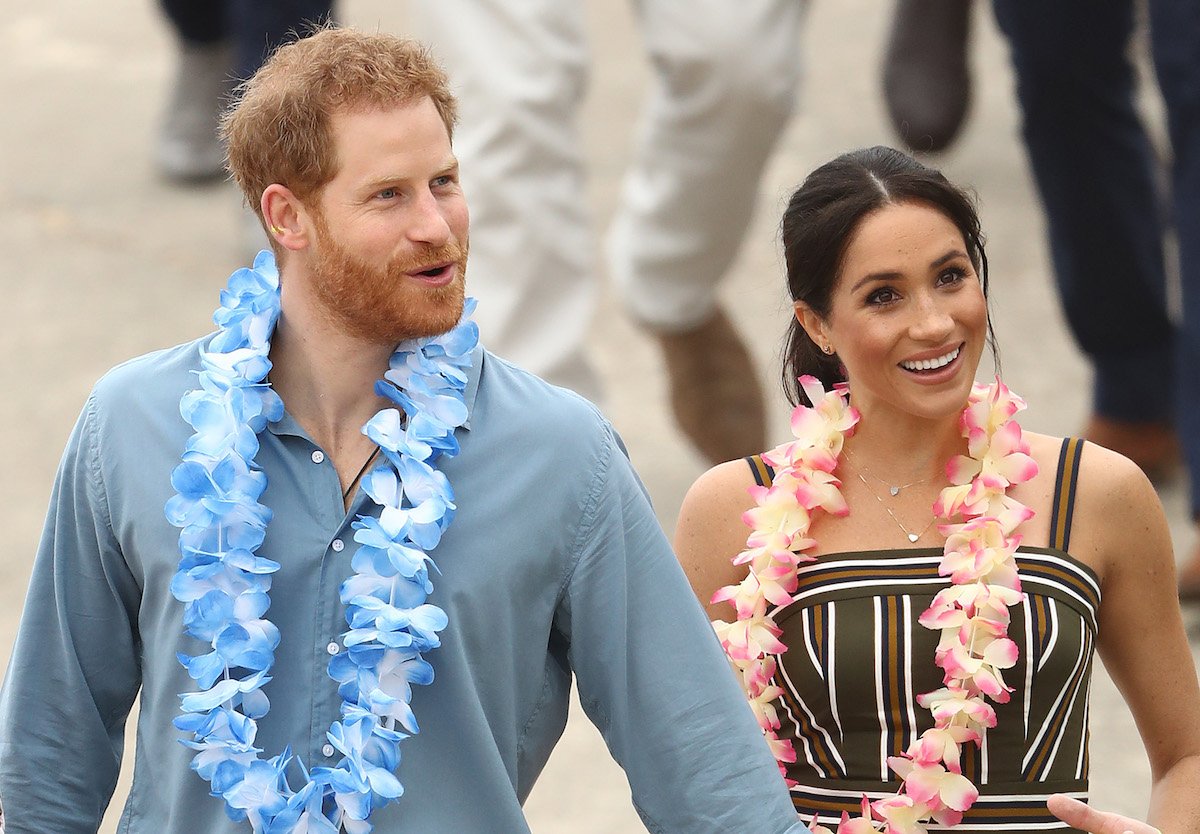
x,y
710,530
713,507
1117,510
1100,470
726,484
1109,481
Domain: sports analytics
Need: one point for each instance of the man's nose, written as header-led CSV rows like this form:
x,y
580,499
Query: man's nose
x,y
428,222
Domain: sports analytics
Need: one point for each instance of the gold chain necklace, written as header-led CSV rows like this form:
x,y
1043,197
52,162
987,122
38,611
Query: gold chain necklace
x,y
894,490
912,537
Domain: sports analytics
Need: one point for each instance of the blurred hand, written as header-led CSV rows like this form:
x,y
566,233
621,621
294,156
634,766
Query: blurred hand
x,y
1086,818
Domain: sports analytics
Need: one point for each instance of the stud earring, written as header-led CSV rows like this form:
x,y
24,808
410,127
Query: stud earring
x,y
827,350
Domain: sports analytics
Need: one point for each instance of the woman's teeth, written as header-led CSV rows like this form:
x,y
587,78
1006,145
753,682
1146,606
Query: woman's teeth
x,y
931,364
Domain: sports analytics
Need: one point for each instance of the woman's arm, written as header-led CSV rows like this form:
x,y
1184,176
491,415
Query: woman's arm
x,y
1120,528
710,532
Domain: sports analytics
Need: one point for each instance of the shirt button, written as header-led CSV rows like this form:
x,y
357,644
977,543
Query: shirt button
x,y
318,456
327,750
332,648
338,545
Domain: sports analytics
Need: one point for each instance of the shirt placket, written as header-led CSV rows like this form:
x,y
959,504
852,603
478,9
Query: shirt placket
x,y
330,613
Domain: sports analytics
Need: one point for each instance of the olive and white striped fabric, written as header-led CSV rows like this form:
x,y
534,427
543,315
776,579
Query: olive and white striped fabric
x,y
858,659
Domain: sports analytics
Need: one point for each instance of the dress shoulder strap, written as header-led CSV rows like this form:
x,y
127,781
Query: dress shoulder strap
x,y
1064,492
763,474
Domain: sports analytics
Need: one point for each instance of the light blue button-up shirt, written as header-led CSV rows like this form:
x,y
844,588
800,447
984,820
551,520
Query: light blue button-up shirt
x,y
554,565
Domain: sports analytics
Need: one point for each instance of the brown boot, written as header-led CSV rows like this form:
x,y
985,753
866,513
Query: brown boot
x,y
715,393
1152,446
926,79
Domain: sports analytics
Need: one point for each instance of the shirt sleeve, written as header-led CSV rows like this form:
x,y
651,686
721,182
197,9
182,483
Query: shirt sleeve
x,y
653,678
75,668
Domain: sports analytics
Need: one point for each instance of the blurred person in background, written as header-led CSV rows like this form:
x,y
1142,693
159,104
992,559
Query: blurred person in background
x,y
1106,215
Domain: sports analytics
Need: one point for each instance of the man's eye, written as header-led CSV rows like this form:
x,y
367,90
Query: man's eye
x,y
387,193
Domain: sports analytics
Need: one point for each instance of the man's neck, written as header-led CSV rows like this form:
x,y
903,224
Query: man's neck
x,y
326,380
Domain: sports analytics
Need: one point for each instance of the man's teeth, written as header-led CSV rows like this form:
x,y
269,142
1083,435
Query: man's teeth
x,y
931,364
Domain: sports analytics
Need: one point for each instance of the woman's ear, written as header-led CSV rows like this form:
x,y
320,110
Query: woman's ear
x,y
814,326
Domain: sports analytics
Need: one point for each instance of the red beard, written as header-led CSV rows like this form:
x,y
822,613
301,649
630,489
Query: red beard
x,y
384,304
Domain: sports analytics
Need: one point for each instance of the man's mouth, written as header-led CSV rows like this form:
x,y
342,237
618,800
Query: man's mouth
x,y
435,274
434,271
934,364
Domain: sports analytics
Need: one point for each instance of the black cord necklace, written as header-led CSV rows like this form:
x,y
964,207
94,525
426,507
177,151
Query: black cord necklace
x,y
358,477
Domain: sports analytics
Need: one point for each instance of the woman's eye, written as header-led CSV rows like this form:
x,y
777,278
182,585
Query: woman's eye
x,y
952,276
883,295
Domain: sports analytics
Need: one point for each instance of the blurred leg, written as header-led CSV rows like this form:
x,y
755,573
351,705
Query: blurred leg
x,y
723,86
1175,33
259,26
1094,169
187,149
520,71
926,77
194,22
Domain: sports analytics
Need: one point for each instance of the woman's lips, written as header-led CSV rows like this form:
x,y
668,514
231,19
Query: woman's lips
x,y
938,375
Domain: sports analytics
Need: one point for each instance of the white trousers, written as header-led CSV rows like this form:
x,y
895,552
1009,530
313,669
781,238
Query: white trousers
x,y
725,74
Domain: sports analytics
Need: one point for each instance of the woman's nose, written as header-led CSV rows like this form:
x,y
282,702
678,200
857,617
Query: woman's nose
x,y
932,320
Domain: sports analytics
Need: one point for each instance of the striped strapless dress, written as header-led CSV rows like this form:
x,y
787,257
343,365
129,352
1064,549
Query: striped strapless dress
x,y
857,659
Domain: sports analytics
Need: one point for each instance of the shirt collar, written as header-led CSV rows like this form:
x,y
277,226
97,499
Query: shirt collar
x,y
473,375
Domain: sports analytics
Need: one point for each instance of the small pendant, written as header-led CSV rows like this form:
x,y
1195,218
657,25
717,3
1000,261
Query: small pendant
x,y
912,537
894,490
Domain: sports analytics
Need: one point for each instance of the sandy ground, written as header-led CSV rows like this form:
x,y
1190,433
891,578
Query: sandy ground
x,y
104,261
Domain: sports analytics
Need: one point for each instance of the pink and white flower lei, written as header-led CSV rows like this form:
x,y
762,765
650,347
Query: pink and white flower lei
x,y
972,614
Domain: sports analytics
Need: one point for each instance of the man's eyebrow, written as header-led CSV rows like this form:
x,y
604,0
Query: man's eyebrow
x,y
449,166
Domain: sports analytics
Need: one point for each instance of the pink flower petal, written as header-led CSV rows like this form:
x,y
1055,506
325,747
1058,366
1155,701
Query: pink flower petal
x,y
957,792
961,469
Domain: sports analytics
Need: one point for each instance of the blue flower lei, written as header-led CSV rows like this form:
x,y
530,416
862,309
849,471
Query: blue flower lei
x,y
225,586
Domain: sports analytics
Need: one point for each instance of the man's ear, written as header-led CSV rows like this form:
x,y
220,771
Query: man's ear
x,y
289,222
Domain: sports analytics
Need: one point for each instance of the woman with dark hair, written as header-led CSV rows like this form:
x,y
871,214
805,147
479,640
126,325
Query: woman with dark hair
x,y
915,609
